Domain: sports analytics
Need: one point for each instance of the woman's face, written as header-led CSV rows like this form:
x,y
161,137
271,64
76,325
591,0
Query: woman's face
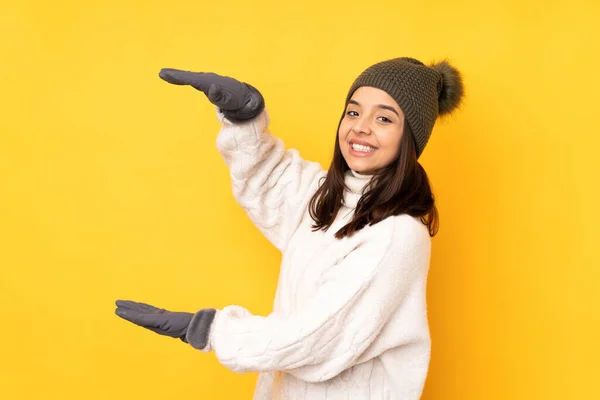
x,y
372,118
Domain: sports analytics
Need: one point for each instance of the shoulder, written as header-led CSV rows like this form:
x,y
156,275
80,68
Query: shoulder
x,y
400,233
411,229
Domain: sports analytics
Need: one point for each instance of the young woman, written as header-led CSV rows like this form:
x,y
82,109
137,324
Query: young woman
x,y
350,316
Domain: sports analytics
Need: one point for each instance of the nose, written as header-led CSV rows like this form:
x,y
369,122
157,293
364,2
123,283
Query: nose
x,y
361,125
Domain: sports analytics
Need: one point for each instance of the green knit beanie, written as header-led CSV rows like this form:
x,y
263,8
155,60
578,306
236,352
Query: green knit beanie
x,y
422,92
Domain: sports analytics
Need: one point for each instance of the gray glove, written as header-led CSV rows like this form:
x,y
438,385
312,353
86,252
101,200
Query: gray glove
x,y
191,328
237,100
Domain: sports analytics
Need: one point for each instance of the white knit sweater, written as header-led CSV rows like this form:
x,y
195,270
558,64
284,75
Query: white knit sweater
x,y
349,319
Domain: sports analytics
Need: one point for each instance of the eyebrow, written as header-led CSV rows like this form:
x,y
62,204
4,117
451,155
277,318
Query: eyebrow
x,y
386,107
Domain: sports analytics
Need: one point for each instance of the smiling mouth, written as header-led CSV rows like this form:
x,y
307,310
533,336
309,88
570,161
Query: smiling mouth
x,y
352,142
359,148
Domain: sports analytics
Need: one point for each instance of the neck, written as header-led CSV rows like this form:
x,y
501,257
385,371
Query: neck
x,y
360,175
356,183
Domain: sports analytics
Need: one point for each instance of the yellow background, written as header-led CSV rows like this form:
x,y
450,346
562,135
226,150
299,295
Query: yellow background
x,y
111,185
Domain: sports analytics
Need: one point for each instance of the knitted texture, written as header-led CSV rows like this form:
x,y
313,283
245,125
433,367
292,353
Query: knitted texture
x,y
349,318
416,88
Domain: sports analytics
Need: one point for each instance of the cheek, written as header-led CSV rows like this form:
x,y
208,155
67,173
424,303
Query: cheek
x,y
343,127
391,141
342,132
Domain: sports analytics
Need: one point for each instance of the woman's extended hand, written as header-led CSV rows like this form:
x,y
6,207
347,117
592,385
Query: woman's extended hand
x,y
191,328
237,100
163,322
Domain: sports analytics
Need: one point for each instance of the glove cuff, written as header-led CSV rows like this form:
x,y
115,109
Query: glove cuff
x,y
198,331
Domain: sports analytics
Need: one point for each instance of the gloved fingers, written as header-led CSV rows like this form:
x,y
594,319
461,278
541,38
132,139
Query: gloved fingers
x,y
200,80
172,75
180,77
171,324
139,307
225,83
130,315
146,321
141,319
221,90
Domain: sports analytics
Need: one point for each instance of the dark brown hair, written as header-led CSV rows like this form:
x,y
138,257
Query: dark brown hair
x,y
402,187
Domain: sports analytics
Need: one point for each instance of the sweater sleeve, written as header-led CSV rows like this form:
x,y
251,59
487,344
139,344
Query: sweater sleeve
x,y
336,327
273,185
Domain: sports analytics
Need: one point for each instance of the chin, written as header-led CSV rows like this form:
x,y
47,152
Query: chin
x,y
361,170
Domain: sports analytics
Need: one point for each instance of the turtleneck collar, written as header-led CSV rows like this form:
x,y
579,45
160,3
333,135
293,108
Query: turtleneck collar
x,y
356,184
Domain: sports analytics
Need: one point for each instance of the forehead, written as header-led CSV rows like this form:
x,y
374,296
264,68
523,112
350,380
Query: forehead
x,y
368,95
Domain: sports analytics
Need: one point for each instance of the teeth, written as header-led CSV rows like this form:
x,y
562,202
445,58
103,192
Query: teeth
x,y
360,147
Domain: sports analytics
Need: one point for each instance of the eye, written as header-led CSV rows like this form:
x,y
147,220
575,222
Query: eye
x,y
386,119
350,113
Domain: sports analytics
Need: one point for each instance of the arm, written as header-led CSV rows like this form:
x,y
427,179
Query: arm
x,y
338,325
272,184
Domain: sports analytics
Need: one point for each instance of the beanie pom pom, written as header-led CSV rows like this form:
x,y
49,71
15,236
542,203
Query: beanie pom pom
x,y
452,90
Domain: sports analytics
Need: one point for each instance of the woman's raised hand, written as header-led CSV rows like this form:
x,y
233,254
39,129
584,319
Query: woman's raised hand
x,y
238,101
